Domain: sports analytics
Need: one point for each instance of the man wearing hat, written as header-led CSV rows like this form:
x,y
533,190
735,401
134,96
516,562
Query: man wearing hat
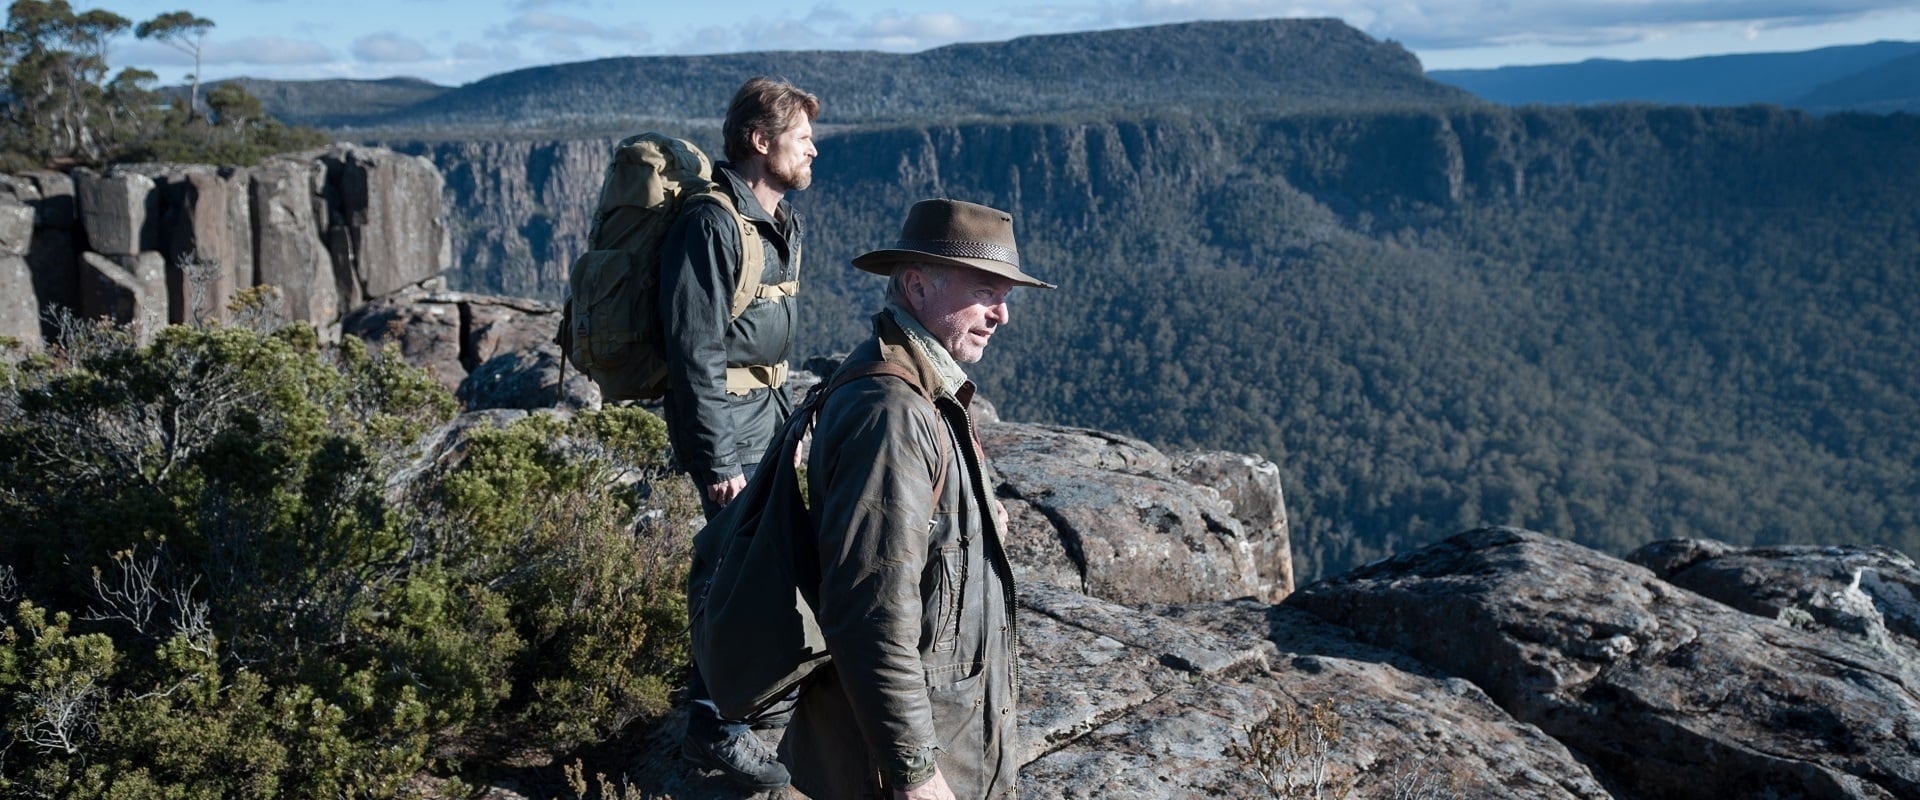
x,y
916,594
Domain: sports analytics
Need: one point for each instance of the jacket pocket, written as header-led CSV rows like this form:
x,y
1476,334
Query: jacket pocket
x,y
948,594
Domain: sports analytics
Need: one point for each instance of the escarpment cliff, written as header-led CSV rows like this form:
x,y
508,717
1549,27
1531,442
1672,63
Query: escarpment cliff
x,y
524,207
151,244
518,212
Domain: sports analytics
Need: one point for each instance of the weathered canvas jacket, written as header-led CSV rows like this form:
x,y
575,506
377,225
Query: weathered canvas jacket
x,y
916,602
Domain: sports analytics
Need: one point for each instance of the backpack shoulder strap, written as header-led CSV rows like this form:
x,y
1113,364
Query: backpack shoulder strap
x,y
753,257
842,377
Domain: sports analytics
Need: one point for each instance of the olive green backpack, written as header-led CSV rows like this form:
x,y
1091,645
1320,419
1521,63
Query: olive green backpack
x,y
610,328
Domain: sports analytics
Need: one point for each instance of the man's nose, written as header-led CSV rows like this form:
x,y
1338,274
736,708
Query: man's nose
x,y
998,312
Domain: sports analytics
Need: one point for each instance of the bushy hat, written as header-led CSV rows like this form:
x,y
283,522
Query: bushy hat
x,y
954,233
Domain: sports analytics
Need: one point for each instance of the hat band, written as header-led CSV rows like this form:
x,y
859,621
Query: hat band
x,y
960,248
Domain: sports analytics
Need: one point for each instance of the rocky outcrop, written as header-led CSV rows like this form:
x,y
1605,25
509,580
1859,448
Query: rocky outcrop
x,y
37,213
1102,514
19,317
1667,693
329,228
1115,518
453,334
529,380
1868,596
379,231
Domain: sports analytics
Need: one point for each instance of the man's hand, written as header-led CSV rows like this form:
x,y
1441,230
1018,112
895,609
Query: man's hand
x,y
724,491
935,788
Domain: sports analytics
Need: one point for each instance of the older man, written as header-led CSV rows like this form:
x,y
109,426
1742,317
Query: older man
x,y
916,595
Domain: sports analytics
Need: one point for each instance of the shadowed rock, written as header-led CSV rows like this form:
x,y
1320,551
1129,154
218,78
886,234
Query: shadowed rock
x,y
1668,693
130,290
51,255
1862,595
451,334
527,379
119,211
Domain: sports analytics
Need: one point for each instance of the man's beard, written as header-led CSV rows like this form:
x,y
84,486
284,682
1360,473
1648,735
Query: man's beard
x,y
792,179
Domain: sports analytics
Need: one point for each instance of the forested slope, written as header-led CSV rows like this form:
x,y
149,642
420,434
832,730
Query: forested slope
x,y
1615,324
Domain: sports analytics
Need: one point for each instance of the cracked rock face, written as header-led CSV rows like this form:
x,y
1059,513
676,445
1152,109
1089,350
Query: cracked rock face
x,y
1117,519
452,334
329,228
1666,692
1870,596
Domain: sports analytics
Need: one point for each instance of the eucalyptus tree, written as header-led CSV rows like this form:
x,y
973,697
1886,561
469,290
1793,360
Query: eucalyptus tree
x,y
185,32
56,62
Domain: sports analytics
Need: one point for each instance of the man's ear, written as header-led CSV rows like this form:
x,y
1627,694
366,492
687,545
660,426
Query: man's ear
x,y
762,143
914,286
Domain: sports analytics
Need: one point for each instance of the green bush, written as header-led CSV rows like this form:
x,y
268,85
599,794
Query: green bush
x,y
241,564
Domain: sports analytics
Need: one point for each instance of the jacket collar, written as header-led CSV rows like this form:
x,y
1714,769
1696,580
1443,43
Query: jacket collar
x,y
904,341
743,197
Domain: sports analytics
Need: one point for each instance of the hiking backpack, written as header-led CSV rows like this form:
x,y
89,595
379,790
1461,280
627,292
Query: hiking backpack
x,y
610,328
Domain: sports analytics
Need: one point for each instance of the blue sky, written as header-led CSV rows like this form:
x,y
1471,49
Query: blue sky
x,y
453,42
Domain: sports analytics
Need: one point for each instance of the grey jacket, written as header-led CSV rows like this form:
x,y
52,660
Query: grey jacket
x,y
715,434
916,601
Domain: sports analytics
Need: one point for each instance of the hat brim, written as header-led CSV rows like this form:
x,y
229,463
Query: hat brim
x,y
883,262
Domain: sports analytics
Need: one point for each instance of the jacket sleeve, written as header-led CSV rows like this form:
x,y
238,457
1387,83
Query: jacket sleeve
x,y
699,262
872,469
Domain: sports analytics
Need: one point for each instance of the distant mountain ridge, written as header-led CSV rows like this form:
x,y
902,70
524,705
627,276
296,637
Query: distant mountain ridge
x,y
1879,77
1200,67
316,103
1893,86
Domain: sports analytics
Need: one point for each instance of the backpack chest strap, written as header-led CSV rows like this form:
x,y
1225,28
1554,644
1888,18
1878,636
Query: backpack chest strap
x,y
743,380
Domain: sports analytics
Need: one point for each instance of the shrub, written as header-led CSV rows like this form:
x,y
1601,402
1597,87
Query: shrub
x,y
236,568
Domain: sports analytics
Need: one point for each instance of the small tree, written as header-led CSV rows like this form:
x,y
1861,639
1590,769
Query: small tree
x,y
233,107
55,61
186,33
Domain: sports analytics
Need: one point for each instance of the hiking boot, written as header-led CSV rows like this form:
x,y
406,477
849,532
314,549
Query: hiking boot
x,y
742,758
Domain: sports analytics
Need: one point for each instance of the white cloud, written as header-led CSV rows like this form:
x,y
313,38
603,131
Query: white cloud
x,y
559,47
266,50
389,48
471,51
918,31
535,23
829,28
